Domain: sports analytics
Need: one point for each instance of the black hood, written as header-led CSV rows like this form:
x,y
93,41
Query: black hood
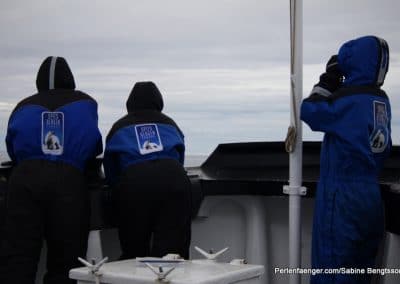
x,y
145,96
54,73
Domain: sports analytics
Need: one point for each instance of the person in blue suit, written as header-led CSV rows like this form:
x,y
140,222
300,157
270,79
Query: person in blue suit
x,y
349,106
51,138
143,163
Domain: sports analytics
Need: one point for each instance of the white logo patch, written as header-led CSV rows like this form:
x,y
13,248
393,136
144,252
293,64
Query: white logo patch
x,y
380,135
52,132
148,138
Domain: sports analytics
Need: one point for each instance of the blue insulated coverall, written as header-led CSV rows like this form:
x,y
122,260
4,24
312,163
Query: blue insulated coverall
x,y
348,217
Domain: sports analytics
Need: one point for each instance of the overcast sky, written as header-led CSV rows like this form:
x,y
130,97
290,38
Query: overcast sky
x,y
221,65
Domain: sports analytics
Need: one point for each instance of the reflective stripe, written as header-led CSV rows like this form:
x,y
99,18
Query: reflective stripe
x,y
321,91
384,64
52,72
329,66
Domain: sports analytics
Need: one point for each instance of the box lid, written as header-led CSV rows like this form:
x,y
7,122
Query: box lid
x,y
188,272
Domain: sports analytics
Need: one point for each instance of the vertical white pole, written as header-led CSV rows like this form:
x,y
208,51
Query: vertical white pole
x,y
295,157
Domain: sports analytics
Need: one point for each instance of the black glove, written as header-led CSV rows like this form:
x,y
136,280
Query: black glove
x,y
330,80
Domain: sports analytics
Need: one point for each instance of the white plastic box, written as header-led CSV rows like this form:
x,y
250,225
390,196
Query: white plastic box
x,y
188,272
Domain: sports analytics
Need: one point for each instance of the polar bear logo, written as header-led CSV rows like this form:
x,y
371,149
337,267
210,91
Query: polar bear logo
x,y
52,142
378,142
149,145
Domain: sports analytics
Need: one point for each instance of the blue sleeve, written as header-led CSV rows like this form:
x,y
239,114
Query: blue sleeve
x,y
117,150
98,149
319,113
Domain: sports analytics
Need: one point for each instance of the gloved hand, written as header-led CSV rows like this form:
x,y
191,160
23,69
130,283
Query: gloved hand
x,y
330,80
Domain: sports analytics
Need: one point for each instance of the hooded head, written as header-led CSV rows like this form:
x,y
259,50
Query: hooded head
x,y
54,73
145,96
364,61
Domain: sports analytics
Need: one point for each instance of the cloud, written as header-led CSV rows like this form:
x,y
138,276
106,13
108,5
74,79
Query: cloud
x,y
223,66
